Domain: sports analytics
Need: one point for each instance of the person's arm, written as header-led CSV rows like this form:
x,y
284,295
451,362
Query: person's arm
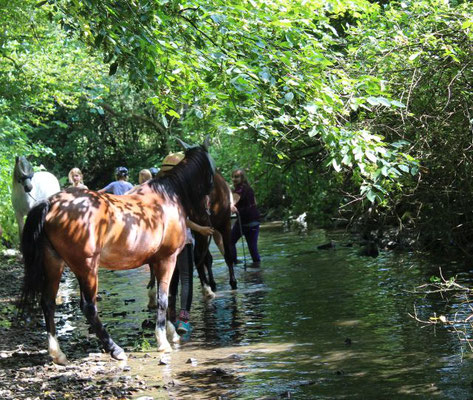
x,y
203,230
236,198
105,189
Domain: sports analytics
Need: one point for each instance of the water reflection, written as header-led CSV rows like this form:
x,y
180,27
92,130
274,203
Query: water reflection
x,y
312,323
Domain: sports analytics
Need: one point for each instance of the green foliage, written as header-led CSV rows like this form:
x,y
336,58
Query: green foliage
x,y
142,344
325,103
423,49
272,72
59,107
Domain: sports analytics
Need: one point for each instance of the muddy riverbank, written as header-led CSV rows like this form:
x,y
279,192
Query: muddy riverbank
x,y
26,371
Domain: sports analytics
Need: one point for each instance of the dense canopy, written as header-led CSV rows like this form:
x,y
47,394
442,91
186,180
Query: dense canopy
x,y
336,108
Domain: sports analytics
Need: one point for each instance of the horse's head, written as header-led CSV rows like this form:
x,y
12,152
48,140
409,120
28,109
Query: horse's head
x,y
191,179
23,173
205,146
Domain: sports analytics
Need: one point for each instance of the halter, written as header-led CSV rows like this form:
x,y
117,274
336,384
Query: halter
x,y
22,180
25,177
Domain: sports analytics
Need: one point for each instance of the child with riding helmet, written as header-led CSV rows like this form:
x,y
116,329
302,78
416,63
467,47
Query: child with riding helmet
x,y
121,185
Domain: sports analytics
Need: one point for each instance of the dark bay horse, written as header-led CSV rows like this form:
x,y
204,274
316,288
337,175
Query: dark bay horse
x,y
84,230
217,216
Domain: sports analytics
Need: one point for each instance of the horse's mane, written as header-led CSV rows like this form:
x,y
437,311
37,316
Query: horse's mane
x,y
189,181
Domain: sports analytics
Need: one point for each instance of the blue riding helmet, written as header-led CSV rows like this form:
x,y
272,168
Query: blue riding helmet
x,y
121,171
154,171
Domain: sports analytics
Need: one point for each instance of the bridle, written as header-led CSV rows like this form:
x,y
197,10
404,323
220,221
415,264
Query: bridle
x,y
22,180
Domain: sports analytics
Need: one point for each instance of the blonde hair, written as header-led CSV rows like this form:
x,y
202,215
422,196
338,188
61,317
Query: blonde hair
x,y
144,175
75,171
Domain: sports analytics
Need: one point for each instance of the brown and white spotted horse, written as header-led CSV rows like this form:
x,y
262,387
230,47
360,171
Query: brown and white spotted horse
x,y
84,230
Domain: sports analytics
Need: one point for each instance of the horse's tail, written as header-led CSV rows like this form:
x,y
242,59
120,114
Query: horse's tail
x,y
32,246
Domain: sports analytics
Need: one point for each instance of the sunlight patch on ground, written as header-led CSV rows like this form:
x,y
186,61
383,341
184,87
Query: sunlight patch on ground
x,y
193,371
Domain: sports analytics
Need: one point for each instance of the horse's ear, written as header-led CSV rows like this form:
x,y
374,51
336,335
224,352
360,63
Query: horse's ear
x,y
207,142
184,144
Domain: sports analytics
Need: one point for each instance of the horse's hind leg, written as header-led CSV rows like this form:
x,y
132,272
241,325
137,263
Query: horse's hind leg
x,y
88,303
53,266
163,271
152,294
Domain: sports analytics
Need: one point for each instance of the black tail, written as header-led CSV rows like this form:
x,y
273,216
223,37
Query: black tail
x,y
32,243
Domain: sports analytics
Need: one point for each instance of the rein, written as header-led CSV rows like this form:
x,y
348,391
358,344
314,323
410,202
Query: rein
x,y
23,179
242,239
29,194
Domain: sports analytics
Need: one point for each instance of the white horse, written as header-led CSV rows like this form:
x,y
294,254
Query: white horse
x,y
28,188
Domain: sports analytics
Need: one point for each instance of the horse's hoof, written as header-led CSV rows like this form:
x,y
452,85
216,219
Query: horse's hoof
x,y
171,333
152,306
233,285
165,348
208,293
61,359
119,354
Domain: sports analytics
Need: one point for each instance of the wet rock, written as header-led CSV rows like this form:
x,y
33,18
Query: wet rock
x,y
326,246
348,341
148,324
163,362
219,371
306,383
369,250
192,361
119,314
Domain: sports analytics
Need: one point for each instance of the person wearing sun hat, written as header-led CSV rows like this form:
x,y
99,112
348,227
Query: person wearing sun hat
x,y
184,263
171,160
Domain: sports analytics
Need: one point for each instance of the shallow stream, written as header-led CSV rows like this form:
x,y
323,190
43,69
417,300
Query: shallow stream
x,y
309,324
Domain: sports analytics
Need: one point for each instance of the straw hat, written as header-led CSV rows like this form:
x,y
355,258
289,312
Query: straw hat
x,y
171,160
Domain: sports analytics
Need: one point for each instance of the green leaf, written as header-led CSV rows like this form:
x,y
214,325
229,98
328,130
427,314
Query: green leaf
x,y
371,196
336,166
173,113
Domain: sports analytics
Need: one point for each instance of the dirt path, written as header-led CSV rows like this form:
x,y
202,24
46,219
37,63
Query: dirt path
x,y
26,370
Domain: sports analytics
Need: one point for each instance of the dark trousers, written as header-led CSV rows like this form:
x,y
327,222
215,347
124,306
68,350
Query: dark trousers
x,y
183,273
251,235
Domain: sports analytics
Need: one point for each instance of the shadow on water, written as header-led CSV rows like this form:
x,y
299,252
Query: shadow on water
x,y
309,324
